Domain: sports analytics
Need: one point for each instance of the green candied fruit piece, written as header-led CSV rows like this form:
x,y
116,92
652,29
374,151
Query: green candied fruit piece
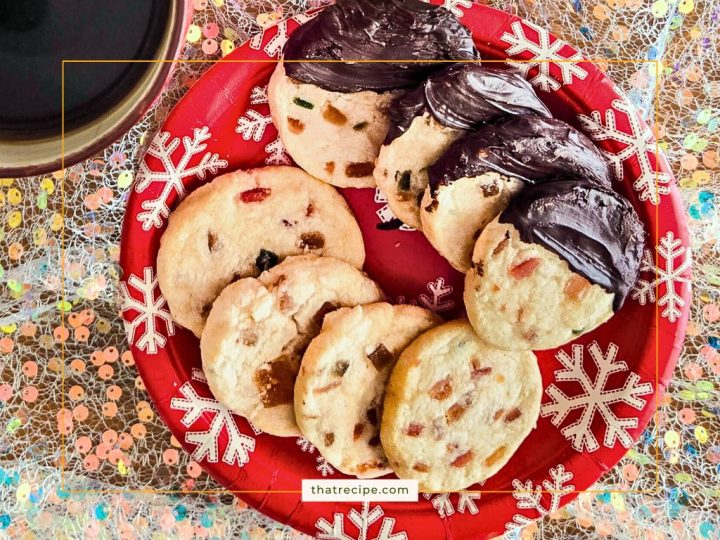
x,y
303,103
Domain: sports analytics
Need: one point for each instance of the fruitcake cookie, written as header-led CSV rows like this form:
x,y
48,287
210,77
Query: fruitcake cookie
x,y
332,115
258,329
426,121
475,179
339,390
333,136
456,409
555,264
243,223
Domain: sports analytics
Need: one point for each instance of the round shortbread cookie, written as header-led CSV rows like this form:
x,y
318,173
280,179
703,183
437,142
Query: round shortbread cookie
x,y
401,169
523,296
452,219
334,136
258,329
242,223
339,389
456,409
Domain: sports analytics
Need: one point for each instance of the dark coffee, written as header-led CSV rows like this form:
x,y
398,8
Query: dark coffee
x,y
36,36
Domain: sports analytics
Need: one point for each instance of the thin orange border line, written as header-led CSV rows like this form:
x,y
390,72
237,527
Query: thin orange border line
x,y
62,273
271,61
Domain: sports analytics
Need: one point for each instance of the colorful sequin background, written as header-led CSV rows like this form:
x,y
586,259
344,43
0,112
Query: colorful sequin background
x,y
114,440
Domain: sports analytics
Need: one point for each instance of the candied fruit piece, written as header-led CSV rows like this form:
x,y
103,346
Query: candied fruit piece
x,y
312,240
514,414
525,268
463,459
254,195
381,357
266,260
414,429
276,382
495,456
334,115
576,286
441,389
295,126
359,170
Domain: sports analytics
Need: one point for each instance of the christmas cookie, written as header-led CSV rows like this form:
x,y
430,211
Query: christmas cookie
x,y
339,390
456,409
332,115
475,179
333,136
555,264
426,121
258,329
243,223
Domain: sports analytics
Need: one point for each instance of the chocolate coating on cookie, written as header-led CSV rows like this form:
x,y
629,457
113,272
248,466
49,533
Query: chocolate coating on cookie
x,y
465,96
376,30
594,229
530,147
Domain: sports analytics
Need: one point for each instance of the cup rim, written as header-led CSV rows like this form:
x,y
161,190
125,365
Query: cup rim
x,y
143,95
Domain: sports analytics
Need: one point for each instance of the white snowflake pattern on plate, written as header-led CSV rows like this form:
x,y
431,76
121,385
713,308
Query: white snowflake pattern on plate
x,y
362,520
545,55
172,176
530,496
594,397
442,502
323,467
671,271
639,144
151,312
438,299
238,448
252,125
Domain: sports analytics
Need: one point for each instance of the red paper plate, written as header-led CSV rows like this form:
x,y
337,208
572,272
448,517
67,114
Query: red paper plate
x,y
600,391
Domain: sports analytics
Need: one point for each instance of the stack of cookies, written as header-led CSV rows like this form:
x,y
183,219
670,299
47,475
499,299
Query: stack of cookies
x,y
296,338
